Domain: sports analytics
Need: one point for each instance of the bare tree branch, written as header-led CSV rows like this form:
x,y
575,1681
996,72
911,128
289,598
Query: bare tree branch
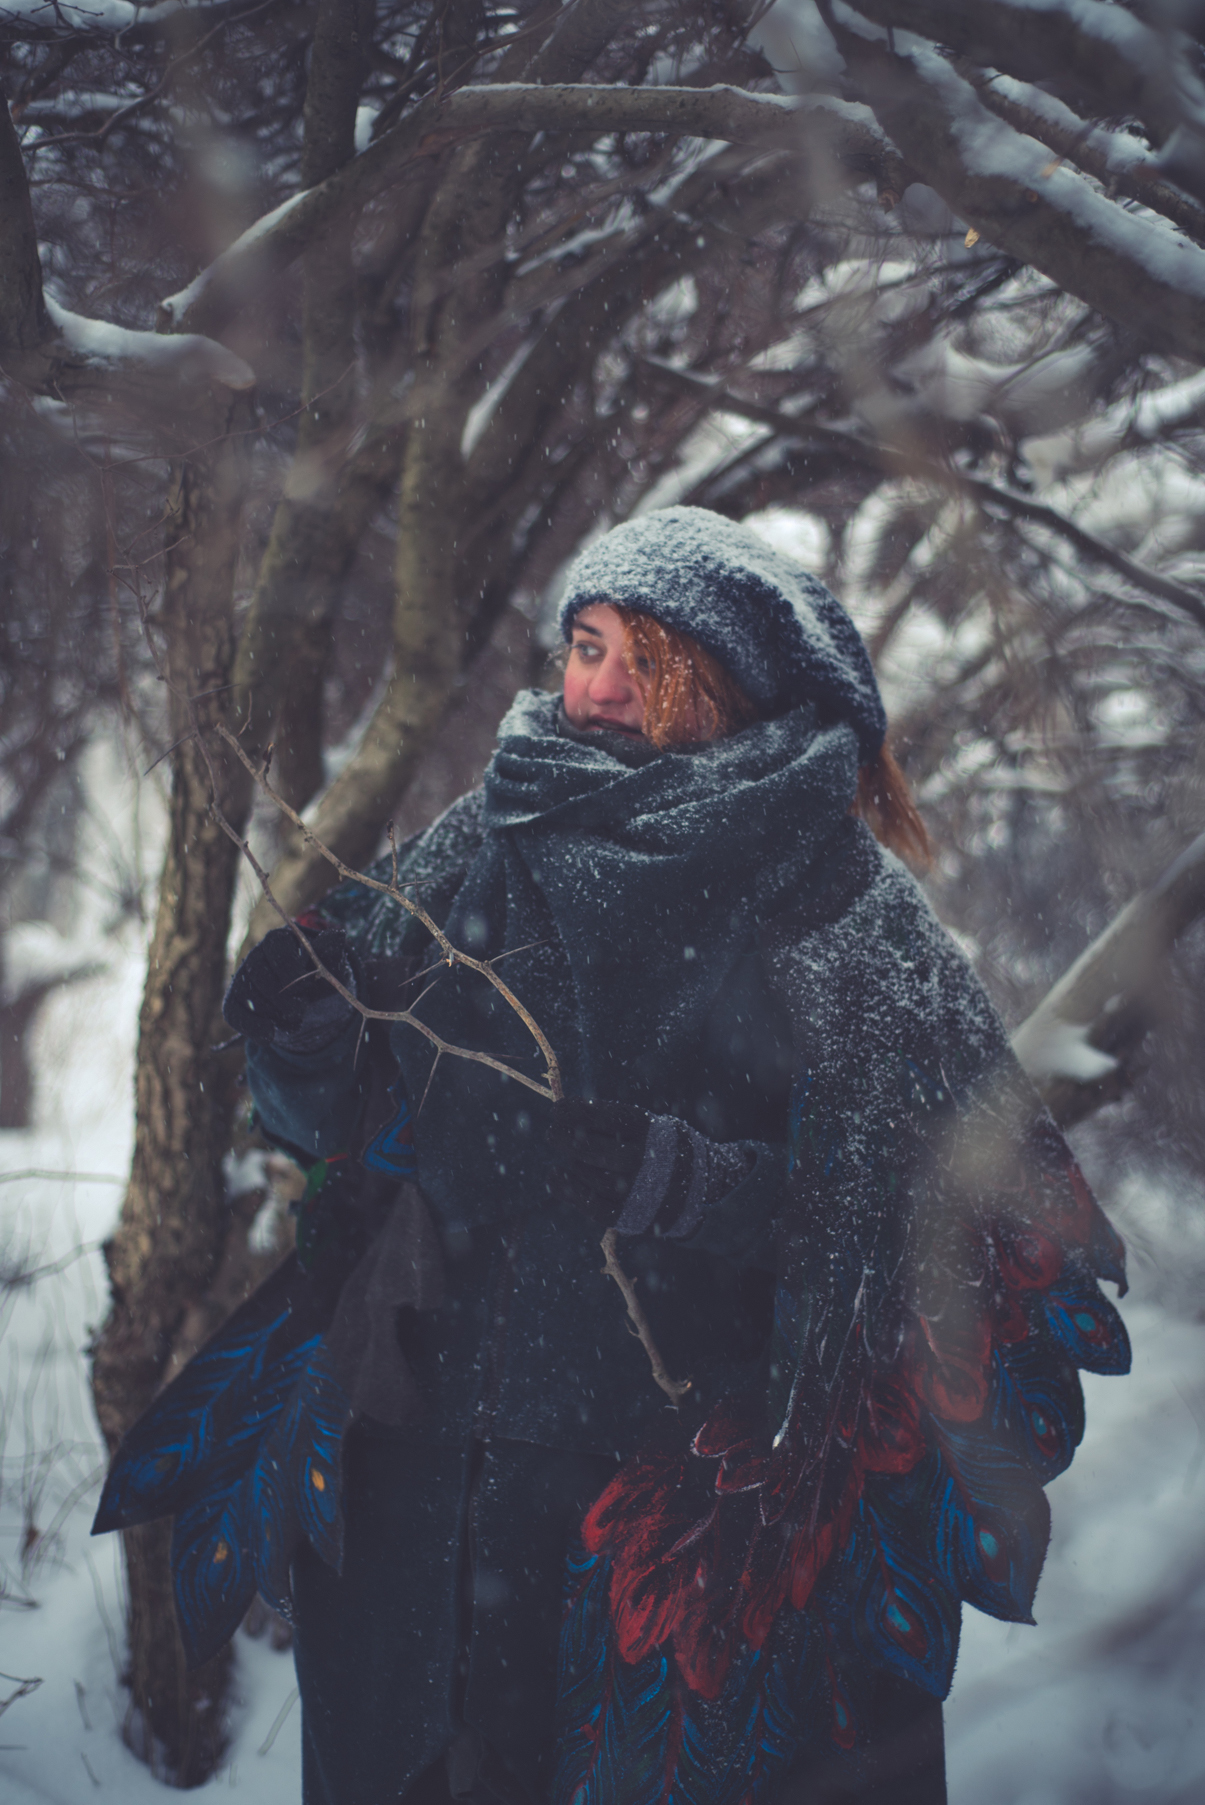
x,y
24,323
674,1389
1138,272
1077,1041
905,462
1112,62
1041,116
452,955
767,121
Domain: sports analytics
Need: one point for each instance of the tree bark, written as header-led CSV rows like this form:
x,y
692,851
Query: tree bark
x,y
319,517
174,1215
23,319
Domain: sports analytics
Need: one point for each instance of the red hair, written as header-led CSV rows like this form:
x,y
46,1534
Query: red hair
x,y
691,697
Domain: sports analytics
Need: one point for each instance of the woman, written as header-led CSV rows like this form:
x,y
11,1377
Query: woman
x,y
852,1229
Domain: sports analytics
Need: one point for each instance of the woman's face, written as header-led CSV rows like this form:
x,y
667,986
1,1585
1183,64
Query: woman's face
x,y
600,691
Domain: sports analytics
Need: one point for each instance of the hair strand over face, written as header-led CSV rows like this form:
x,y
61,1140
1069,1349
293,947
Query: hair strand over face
x,y
692,698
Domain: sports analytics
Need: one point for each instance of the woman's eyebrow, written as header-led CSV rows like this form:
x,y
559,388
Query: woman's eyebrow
x,y
579,626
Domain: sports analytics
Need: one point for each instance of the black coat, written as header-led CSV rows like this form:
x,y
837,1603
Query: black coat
x,y
709,935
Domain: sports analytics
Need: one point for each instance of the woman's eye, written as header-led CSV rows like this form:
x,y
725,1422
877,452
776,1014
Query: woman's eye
x,y
585,650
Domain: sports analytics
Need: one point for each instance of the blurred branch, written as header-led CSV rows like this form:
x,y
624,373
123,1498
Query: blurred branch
x,y
1139,273
1115,64
1040,116
24,323
69,357
903,462
1076,1044
325,507
767,121
124,21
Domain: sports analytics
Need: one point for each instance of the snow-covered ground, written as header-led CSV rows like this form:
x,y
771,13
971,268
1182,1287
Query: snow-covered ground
x,y
1103,1702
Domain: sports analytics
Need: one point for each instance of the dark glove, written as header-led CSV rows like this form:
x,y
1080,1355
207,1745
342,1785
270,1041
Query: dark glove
x,y
277,997
597,1150
631,1171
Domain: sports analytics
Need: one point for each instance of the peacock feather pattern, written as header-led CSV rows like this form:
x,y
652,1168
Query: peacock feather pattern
x,y
758,1580
205,1427
244,1448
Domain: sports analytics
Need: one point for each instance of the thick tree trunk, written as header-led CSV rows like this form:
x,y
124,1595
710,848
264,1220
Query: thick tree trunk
x,y
174,1217
177,1258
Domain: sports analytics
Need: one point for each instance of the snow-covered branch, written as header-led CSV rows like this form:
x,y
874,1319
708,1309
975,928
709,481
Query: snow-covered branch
x,y
175,358
1076,1043
758,121
1136,269
1125,426
1115,65
1118,160
890,460
63,354
40,21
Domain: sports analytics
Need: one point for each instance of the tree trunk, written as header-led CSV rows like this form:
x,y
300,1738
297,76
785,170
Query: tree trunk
x,y
174,1216
177,1232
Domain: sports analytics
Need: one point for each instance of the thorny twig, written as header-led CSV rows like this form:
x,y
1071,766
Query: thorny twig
x,y
553,1089
674,1389
24,1688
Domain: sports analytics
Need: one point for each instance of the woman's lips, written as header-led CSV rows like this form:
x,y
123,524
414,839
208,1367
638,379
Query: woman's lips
x,y
603,722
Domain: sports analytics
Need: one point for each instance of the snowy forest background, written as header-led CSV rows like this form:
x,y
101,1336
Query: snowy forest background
x,y
918,290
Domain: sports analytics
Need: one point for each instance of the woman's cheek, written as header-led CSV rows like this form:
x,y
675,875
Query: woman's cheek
x,y
574,695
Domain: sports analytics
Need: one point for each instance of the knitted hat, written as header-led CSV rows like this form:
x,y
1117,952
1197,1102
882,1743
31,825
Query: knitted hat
x,y
776,629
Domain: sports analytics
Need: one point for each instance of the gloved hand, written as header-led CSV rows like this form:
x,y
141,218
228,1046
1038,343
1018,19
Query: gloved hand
x,y
277,997
597,1150
628,1170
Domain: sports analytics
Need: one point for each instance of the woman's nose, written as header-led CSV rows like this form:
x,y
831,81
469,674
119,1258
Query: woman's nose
x,y
612,679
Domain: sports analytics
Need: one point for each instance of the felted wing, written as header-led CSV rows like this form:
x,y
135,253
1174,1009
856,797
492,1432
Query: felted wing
x,y
899,1485
203,1429
213,1574
633,1731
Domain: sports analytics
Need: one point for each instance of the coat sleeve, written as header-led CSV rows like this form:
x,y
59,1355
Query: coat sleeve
x,y
738,1225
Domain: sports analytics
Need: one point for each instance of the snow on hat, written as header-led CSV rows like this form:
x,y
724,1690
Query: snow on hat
x,y
776,629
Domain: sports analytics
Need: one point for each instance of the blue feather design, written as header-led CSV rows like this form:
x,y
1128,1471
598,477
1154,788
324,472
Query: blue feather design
x,y
392,1148
636,1733
883,1601
1038,1404
294,1490
213,1575
302,1458
613,1718
232,1544
203,1430
1085,1324
768,1712
988,1521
